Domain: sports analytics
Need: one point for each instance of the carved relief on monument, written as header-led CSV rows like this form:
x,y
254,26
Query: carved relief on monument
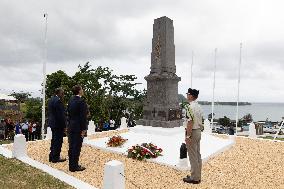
x,y
175,114
158,50
162,114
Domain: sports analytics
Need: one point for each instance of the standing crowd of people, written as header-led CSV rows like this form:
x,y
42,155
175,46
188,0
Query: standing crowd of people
x,y
111,124
9,128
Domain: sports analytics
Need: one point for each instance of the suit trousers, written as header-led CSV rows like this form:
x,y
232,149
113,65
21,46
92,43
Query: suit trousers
x,y
26,133
75,145
56,143
194,155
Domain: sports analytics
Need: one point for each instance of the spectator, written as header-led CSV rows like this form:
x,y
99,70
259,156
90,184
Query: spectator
x,y
6,128
130,121
9,129
25,127
31,134
38,131
2,129
111,124
34,130
18,128
99,126
106,126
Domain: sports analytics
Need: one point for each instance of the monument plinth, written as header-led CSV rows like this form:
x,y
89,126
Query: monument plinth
x,y
161,107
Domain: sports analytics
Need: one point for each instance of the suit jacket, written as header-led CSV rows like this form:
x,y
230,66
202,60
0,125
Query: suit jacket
x,y
56,113
77,114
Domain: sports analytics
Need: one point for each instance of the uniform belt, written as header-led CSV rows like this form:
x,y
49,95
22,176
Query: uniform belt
x,y
194,129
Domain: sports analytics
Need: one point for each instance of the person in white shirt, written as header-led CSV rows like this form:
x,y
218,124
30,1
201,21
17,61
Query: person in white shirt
x,y
25,131
193,136
111,124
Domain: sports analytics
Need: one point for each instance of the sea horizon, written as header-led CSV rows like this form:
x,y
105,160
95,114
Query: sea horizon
x,y
260,111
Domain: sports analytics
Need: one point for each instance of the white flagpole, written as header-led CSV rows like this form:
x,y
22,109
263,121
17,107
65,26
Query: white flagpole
x,y
213,96
191,69
238,96
44,77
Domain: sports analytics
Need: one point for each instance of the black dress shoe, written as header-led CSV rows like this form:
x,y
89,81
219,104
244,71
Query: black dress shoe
x,y
58,160
188,176
79,168
189,180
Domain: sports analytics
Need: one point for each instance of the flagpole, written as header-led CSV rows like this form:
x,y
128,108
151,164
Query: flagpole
x,y
191,69
213,96
44,77
238,96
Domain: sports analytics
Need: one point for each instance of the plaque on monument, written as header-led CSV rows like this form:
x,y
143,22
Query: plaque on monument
x,y
161,107
175,114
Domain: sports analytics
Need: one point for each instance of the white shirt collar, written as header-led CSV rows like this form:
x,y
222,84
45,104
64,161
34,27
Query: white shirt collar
x,y
193,102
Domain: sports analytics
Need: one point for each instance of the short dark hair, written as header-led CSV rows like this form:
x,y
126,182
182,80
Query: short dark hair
x,y
193,92
76,89
58,90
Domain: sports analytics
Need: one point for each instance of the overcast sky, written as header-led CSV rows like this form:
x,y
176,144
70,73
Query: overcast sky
x,y
118,34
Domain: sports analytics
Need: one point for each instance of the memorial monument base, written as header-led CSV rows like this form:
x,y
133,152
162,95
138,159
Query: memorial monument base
x,y
170,140
158,123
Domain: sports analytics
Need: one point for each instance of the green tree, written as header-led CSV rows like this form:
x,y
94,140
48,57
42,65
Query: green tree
x,y
225,121
107,95
56,80
247,118
33,109
242,122
21,96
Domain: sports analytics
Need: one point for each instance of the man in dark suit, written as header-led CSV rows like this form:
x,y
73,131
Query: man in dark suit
x,y
77,112
57,123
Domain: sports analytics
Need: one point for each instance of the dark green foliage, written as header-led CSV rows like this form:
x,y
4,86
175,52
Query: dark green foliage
x,y
33,109
247,118
224,121
56,80
21,96
107,95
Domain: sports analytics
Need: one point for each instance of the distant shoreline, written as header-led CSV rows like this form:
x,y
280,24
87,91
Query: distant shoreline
x,y
225,103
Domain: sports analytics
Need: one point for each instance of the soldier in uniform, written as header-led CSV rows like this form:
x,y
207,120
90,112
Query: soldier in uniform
x,y
193,136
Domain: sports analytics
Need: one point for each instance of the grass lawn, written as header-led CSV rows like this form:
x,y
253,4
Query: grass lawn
x,y
6,141
15,174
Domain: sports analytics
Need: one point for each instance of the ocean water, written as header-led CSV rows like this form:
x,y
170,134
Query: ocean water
x,y
259,111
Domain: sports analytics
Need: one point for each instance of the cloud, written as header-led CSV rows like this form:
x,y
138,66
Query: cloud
x,y
118,34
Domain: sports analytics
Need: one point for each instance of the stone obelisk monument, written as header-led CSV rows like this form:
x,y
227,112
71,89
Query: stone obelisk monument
x,y
161,107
